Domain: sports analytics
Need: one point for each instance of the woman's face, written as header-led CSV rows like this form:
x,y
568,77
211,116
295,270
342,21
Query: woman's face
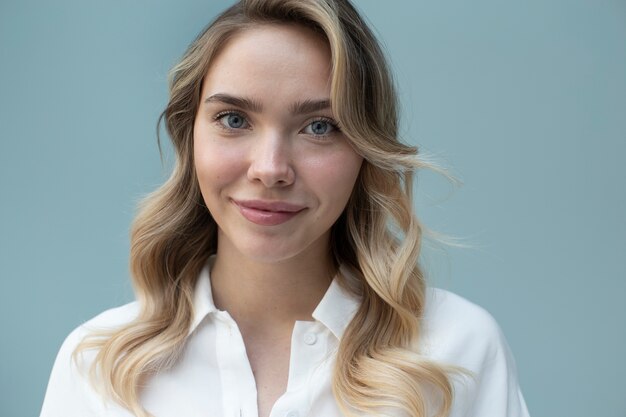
x,y
273,167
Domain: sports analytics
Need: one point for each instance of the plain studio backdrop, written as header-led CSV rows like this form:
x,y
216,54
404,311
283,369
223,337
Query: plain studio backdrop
x,y
524,101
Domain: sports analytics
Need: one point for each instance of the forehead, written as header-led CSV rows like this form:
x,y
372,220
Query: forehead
x,y
276,56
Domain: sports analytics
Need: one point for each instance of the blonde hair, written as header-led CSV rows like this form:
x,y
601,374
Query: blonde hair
x,y
377,237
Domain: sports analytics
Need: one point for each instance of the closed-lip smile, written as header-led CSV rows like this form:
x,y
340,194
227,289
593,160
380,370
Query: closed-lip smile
x,y
268,213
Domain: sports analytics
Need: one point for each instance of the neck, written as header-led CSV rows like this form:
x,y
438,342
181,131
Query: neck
x,y
263,295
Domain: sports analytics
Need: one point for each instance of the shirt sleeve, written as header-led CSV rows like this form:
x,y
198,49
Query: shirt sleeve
x,y
497,392
464,335
69,393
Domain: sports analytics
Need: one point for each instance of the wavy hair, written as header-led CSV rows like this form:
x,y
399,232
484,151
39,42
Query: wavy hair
x,y
377,236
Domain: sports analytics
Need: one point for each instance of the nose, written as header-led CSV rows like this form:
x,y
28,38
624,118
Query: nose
x,y
271,161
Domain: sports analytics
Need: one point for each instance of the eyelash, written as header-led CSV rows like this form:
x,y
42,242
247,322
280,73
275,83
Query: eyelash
x,y
333,124
221,114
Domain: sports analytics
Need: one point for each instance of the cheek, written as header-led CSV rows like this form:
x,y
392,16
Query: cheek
x,y
215,164
337,176
209,167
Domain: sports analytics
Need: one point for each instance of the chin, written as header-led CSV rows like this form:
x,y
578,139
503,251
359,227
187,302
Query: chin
x,y
278,249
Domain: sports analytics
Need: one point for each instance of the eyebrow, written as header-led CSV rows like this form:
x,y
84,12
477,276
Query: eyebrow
x,y
301,107
241,102
309,106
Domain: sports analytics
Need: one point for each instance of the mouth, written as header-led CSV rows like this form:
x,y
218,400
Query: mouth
x,y
268,213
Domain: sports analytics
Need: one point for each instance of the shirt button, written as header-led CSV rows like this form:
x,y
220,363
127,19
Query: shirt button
x,y
309,339
292,413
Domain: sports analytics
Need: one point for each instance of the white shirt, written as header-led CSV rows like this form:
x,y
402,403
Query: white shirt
x,y
213,377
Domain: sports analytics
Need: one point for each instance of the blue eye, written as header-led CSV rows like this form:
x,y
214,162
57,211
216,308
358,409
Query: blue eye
x,y
320,128
232,120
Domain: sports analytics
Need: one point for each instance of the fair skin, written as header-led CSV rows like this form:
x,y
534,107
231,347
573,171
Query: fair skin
x,y
276,172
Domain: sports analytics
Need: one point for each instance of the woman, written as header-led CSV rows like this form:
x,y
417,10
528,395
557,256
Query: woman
x,y
276,270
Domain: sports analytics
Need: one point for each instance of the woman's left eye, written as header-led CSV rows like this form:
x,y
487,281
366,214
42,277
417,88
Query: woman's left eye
x,y
320,128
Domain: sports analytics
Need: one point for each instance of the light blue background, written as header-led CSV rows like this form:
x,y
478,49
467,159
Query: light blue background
x,y
524,101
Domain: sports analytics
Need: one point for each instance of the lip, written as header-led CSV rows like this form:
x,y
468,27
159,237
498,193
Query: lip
x,y
268,213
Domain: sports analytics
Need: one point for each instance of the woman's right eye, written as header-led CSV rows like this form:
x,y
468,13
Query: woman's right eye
x,y
232,120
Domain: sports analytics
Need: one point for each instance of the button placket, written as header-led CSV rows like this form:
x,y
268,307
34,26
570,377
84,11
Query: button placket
x,y
239,388
307,352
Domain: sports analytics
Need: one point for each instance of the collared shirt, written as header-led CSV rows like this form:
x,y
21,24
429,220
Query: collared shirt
x,y
213,377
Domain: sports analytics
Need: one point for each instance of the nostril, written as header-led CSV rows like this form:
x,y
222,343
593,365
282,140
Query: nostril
x,y
271,174
271,163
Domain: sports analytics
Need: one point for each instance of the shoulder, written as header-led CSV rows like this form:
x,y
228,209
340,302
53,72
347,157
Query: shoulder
x,y
110,319
107,320
114,317
459,332
69,392
462,334
449,315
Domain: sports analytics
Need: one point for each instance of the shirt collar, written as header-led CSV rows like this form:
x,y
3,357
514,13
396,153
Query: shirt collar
x,y
337,307
334,311
203,296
